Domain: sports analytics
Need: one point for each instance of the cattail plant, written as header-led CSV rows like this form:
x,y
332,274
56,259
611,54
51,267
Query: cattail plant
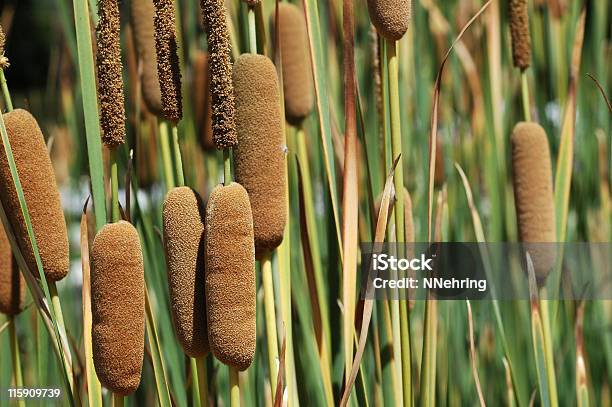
x,y
230,276
521,47
183,218
168,70
142,16
390,17
296,66
261,168
533,194
12,284
110,83
220,67
519,30
260,153
40,192
118,307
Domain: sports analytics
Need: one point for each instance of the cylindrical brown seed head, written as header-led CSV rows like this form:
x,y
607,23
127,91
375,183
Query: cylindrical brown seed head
x,y
297,70
260,153
2,40
390,17
220,67
533,194
41,195
183,217
110,82
230,276
12,284
168,69
118,307
519,30
203,100
143,14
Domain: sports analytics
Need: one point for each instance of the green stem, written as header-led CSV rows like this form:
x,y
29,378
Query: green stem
x,y
270,312
202,380
87,80
118,400
234,387
227,167
252,30
548,350
5,92
178,160
525,96
115,216
17,373
396,147
164,141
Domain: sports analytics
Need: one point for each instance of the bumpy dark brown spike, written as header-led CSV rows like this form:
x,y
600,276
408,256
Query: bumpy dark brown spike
x,y
168,69
110,81
220,66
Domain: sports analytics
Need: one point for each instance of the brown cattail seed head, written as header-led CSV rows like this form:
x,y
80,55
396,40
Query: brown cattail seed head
x,y
12,284
260,153
118,307
143,14
230,276
110,82
2,40
220,67
533,194
390,17
297,70
4,63
203,100
41,195
183,217
519,30
168,69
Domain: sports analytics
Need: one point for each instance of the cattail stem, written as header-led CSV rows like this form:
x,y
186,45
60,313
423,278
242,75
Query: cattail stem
x,y
548,349
227,167
17,373
234,387
202,380
178,160
525,95
5,92
115,216
59,316
270,312
118,400
252,30
164,141
396,148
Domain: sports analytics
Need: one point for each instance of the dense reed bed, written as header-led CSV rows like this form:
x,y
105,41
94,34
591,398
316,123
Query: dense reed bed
x,y
237,153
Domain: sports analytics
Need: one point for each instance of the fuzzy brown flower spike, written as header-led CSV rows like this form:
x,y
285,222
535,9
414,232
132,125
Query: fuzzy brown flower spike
x,y
110,84
519,30
3,60
222,88
168,70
